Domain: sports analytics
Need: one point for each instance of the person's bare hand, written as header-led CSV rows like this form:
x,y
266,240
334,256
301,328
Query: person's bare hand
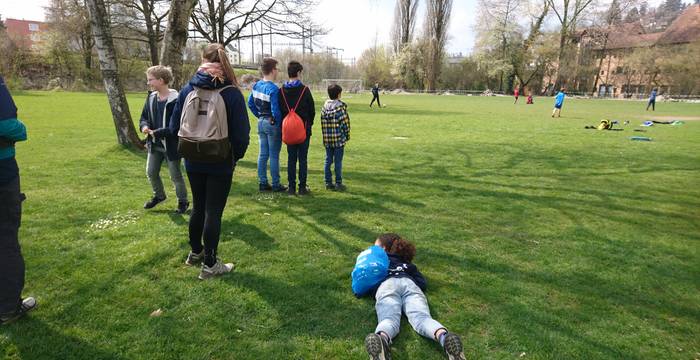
x,y
146,130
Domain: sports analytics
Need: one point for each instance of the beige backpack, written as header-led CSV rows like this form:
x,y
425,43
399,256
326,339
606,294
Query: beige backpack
x,y
204,127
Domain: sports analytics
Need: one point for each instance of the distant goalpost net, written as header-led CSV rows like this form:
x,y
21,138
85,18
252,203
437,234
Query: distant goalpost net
x,y
350,86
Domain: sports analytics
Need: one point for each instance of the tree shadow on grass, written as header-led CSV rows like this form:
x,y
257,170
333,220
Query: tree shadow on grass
x,y
335,216
590,289
177,219
32,339
236,228
405,112
311,305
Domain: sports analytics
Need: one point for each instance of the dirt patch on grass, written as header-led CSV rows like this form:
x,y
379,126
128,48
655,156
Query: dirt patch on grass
x,y
671,118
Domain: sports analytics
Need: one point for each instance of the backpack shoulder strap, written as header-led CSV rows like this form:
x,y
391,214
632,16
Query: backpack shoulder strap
x,y
298,100
285,100
219,90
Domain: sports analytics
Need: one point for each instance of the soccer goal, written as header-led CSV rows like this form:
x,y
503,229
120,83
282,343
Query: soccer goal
x,y
350,86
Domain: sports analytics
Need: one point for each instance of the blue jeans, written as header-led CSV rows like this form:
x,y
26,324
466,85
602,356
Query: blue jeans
x,y
397,294
300,152
334,156
270,146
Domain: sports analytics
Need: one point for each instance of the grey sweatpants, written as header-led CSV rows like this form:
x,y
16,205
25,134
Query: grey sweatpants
x,y
153,164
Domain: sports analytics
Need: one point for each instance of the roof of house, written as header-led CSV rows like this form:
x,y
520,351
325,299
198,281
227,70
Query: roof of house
x,y
684,29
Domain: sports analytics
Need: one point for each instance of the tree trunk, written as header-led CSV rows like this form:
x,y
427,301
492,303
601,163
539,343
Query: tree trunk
x,y
175,37
150,32
126,133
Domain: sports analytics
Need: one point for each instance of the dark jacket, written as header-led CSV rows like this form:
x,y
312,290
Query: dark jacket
x,y
238,125
148,119
306,109
11,131
375,90
400,268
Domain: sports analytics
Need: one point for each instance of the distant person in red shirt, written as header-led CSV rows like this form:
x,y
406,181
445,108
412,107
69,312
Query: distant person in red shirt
x,y
516,93
529,98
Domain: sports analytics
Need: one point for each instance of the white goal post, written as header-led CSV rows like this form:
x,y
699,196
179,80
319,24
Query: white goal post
x,y
350,86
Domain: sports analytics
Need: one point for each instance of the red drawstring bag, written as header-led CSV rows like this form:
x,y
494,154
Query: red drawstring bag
x,y
293,129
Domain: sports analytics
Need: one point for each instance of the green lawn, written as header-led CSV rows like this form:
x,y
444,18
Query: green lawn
x,y
539,239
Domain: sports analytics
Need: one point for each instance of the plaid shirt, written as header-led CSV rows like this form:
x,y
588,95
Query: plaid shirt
x,y
335,124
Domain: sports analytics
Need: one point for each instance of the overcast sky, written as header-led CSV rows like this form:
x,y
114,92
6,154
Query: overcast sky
x,y
354,24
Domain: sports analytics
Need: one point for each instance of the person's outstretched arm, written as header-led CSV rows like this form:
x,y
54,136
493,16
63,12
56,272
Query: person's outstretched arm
x,y
251,103
144,122
239,125
275,105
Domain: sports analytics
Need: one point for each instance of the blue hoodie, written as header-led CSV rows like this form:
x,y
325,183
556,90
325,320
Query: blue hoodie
x,y
238,124
559,99
11,130
264,101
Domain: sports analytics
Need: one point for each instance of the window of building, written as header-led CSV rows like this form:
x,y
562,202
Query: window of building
x,y
33,27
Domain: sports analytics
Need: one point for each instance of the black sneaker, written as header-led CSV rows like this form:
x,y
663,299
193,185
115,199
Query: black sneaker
x,y
182,207
330,187
291,190
265,187
280,188
304,190
153,202
453,347
377,347
340,187
28,304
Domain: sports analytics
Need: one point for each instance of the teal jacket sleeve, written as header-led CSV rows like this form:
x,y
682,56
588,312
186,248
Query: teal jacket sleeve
x,y
13,130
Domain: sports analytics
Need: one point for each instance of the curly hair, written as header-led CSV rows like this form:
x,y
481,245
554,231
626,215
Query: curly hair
x,y
396,245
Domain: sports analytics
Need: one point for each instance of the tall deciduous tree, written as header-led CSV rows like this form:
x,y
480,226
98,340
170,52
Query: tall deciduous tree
x,y
568,13
70,18
498,28
611,22
175,37
224,21
99,22
528,59
404,23
143,19
437,21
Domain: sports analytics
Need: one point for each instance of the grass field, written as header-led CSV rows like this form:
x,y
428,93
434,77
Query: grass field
x,y
539,239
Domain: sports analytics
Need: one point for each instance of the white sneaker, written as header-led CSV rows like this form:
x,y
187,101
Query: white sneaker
x,y
194,259
218,268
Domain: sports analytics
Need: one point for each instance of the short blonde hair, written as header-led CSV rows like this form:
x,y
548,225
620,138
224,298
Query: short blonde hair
x,y
161,72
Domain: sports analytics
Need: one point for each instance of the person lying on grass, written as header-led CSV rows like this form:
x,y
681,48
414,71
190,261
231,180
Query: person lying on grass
x,y
403,289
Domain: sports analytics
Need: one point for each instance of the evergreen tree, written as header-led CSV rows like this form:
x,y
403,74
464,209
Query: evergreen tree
x,y
632,15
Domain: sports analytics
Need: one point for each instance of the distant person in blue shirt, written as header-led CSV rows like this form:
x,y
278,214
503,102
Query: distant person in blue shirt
x,y
652,100
559,102
12,305
264,104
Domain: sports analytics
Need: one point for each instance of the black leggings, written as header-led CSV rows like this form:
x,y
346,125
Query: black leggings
x,y
11,261
375,97
209,195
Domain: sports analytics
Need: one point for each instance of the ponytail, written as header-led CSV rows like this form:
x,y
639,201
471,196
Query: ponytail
x,y
228,70
216,53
